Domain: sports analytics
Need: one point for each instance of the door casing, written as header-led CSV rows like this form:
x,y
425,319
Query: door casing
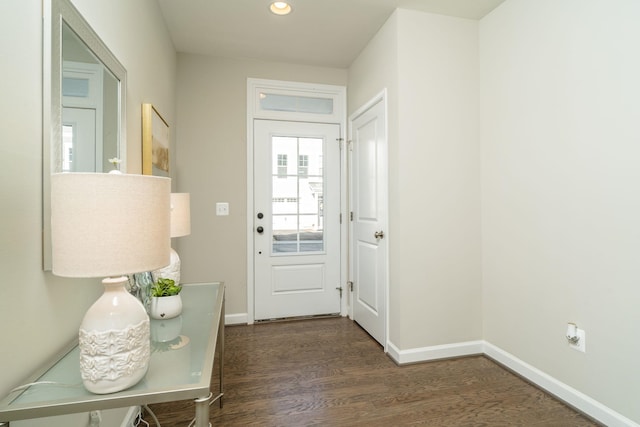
x,y
338,116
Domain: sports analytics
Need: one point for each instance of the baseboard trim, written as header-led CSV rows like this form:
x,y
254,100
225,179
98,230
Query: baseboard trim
x,y
567,394
236,319
447,351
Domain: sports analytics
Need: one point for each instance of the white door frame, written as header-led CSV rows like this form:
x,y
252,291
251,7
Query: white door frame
x,y
380,97
254,111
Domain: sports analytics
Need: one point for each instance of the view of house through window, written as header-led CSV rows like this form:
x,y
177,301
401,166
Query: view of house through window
x,y
297,192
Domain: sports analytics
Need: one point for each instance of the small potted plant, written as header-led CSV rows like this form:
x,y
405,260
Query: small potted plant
x,y
166,302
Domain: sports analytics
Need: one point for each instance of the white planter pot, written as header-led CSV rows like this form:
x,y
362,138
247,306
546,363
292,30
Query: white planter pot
x,y
165,307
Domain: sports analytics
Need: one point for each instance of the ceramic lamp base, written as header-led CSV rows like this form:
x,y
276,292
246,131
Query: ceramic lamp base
x,y
114,340
171,271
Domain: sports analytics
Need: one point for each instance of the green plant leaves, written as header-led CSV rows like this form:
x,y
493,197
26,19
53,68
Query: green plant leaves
x,y
165,288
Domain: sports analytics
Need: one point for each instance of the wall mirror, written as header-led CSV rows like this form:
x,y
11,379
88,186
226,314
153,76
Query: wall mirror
x,y
84,96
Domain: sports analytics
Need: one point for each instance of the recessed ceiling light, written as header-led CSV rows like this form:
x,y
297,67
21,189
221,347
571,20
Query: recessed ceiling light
x,y
280,8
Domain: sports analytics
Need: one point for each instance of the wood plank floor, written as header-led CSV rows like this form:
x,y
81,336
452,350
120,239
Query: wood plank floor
x,y
329,372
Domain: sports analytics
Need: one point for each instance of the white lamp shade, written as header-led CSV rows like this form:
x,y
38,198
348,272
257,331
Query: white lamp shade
x,y
109,224
180,214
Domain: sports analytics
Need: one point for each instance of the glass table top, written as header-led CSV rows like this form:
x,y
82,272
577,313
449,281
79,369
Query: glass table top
x,y
182,352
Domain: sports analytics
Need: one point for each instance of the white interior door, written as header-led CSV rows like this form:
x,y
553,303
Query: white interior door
x,y
369,226
296,219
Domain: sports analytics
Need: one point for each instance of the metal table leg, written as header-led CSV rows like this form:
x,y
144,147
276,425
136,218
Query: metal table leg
x,y
221,343
202,411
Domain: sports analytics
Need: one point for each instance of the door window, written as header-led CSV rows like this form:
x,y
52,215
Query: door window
x,y
297,195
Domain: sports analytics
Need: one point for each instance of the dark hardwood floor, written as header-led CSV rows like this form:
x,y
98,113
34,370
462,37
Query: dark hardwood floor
x,y
329,372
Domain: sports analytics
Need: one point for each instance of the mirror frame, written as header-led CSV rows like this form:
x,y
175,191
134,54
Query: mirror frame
x,y
55,12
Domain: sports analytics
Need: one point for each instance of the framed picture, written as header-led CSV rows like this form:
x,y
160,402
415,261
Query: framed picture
x,y
156,154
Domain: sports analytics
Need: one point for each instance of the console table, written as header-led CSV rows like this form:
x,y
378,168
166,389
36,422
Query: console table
x,y
182,356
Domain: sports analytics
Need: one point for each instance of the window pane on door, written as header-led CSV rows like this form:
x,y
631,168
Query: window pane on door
x,y
297,195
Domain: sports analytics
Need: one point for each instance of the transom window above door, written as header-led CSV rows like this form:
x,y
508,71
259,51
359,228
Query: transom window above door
x,y
295,103
272,99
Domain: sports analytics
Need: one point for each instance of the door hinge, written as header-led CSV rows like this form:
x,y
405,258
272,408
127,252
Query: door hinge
x,y
350,285
339,288
341,218
351,216
340,142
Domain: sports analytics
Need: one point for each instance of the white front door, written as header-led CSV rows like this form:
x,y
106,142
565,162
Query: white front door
x,y
296,219
369,226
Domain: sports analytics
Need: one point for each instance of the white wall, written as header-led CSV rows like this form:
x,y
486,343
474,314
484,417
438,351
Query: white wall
x,y
41,312
428,63
212,159
436,222
561,190
375,69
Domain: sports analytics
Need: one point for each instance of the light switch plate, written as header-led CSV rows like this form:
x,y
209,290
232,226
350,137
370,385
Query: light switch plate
x,y
222,208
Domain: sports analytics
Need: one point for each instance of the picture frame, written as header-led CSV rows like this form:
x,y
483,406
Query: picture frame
x,y
156,152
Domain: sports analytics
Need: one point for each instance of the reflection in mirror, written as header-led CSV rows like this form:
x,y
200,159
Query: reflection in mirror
x,y
84,86
89,109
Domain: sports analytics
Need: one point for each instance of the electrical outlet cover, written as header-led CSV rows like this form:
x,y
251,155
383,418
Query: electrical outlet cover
x,y
581,345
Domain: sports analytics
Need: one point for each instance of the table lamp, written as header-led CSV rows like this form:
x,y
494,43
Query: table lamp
x,y
180,226
110,225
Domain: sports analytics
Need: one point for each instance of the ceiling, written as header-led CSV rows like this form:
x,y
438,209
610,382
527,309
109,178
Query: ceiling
x,y
327,33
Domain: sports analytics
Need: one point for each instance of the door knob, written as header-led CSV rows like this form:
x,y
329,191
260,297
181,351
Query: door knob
x,y
260,230
378,234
